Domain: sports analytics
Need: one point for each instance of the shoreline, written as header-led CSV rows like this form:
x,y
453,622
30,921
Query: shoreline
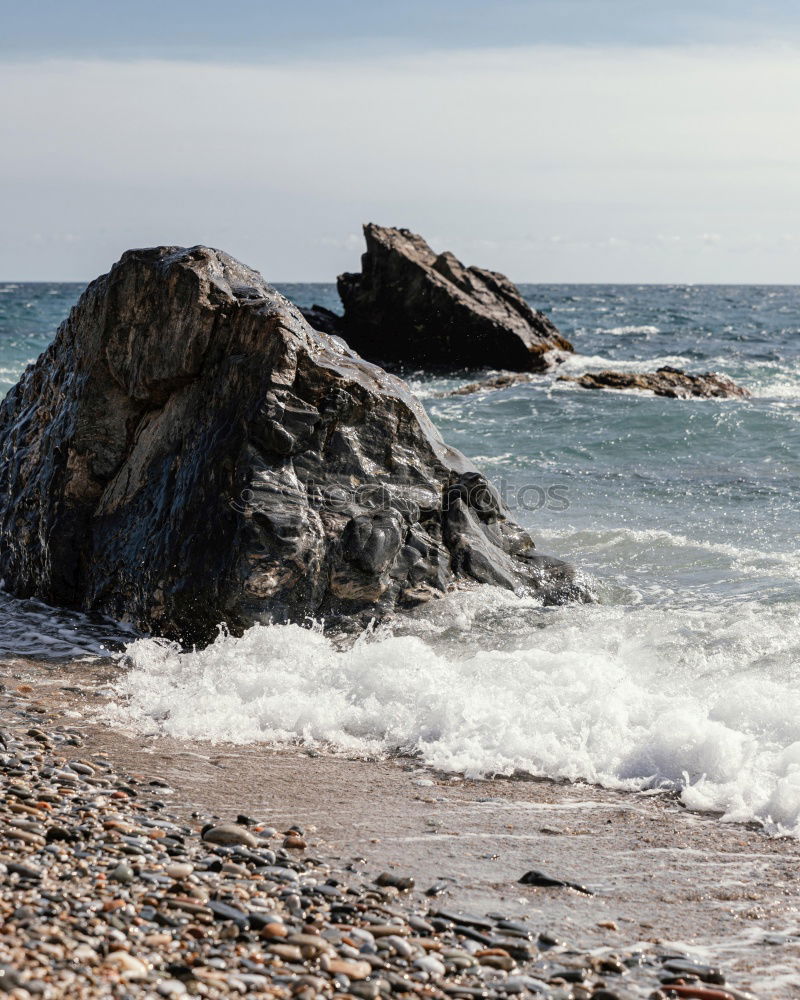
x,y
663,879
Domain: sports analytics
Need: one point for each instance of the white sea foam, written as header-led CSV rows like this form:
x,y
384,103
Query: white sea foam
x,y
764,381
620,331
784,387
624,696
595,362
631,541
430,388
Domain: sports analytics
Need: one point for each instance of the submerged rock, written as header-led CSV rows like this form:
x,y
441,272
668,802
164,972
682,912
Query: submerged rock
x,y
411,305
189,451
665,381
501,381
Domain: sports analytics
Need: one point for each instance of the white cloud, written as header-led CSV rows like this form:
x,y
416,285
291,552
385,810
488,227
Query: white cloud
x,y
539,159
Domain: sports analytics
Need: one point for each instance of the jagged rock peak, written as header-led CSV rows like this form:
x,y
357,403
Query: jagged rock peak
x,y
412,306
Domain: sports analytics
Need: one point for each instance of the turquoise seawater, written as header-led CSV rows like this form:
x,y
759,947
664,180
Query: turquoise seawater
x,y
684,514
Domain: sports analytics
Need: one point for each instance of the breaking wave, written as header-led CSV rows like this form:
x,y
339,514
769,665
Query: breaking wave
x,y
703,701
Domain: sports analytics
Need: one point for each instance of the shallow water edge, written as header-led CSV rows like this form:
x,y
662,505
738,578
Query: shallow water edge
x,y
726,893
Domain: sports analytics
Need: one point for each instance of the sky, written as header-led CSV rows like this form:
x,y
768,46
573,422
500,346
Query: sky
x,y
554,140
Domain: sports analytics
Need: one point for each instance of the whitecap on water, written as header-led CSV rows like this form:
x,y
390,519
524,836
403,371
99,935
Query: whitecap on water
x,y
634,543
580,363
781,387
620,331
628,697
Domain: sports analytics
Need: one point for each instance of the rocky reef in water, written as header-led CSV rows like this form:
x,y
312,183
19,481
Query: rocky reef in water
x,y
411,305
501,381
666,381
189,451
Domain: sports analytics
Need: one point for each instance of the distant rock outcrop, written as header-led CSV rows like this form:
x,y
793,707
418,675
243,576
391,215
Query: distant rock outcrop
x,y
665,381
189,451
412,306
323,319
501,381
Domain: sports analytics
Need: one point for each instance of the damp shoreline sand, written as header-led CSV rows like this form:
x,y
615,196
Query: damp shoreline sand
x,y
662,877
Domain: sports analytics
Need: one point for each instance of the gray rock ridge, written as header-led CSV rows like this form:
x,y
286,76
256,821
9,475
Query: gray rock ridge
x,y
188,451
409,305
665,381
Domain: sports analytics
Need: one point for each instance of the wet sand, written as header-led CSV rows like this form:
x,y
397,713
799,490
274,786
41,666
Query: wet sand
x,y
723,892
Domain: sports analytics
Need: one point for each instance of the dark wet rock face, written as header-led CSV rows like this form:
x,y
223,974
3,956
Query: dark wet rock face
x,y
189,451
410,305
664,381
322,319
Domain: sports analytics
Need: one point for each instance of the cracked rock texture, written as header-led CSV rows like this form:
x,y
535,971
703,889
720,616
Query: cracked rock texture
x,y
190,451
410,305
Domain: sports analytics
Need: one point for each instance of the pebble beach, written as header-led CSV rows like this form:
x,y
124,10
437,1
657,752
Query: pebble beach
x,y
350,649
121,883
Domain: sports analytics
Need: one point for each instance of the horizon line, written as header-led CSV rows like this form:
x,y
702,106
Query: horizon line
x,y
627,284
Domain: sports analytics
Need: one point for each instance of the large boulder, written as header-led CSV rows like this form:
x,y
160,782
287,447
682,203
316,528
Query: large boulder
x,y
410,305
189,451
665,381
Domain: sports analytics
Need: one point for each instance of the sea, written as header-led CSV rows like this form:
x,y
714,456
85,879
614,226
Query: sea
x,y
682,514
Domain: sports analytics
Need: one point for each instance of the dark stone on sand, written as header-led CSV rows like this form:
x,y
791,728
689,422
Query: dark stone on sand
x,y
122,873
188,451
10,979
465,919
516,927
569,975
474,935
538,878
24,871
516,949
665,381
684,966
436,889
410,305
475,992
399,882
222,911
547,941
